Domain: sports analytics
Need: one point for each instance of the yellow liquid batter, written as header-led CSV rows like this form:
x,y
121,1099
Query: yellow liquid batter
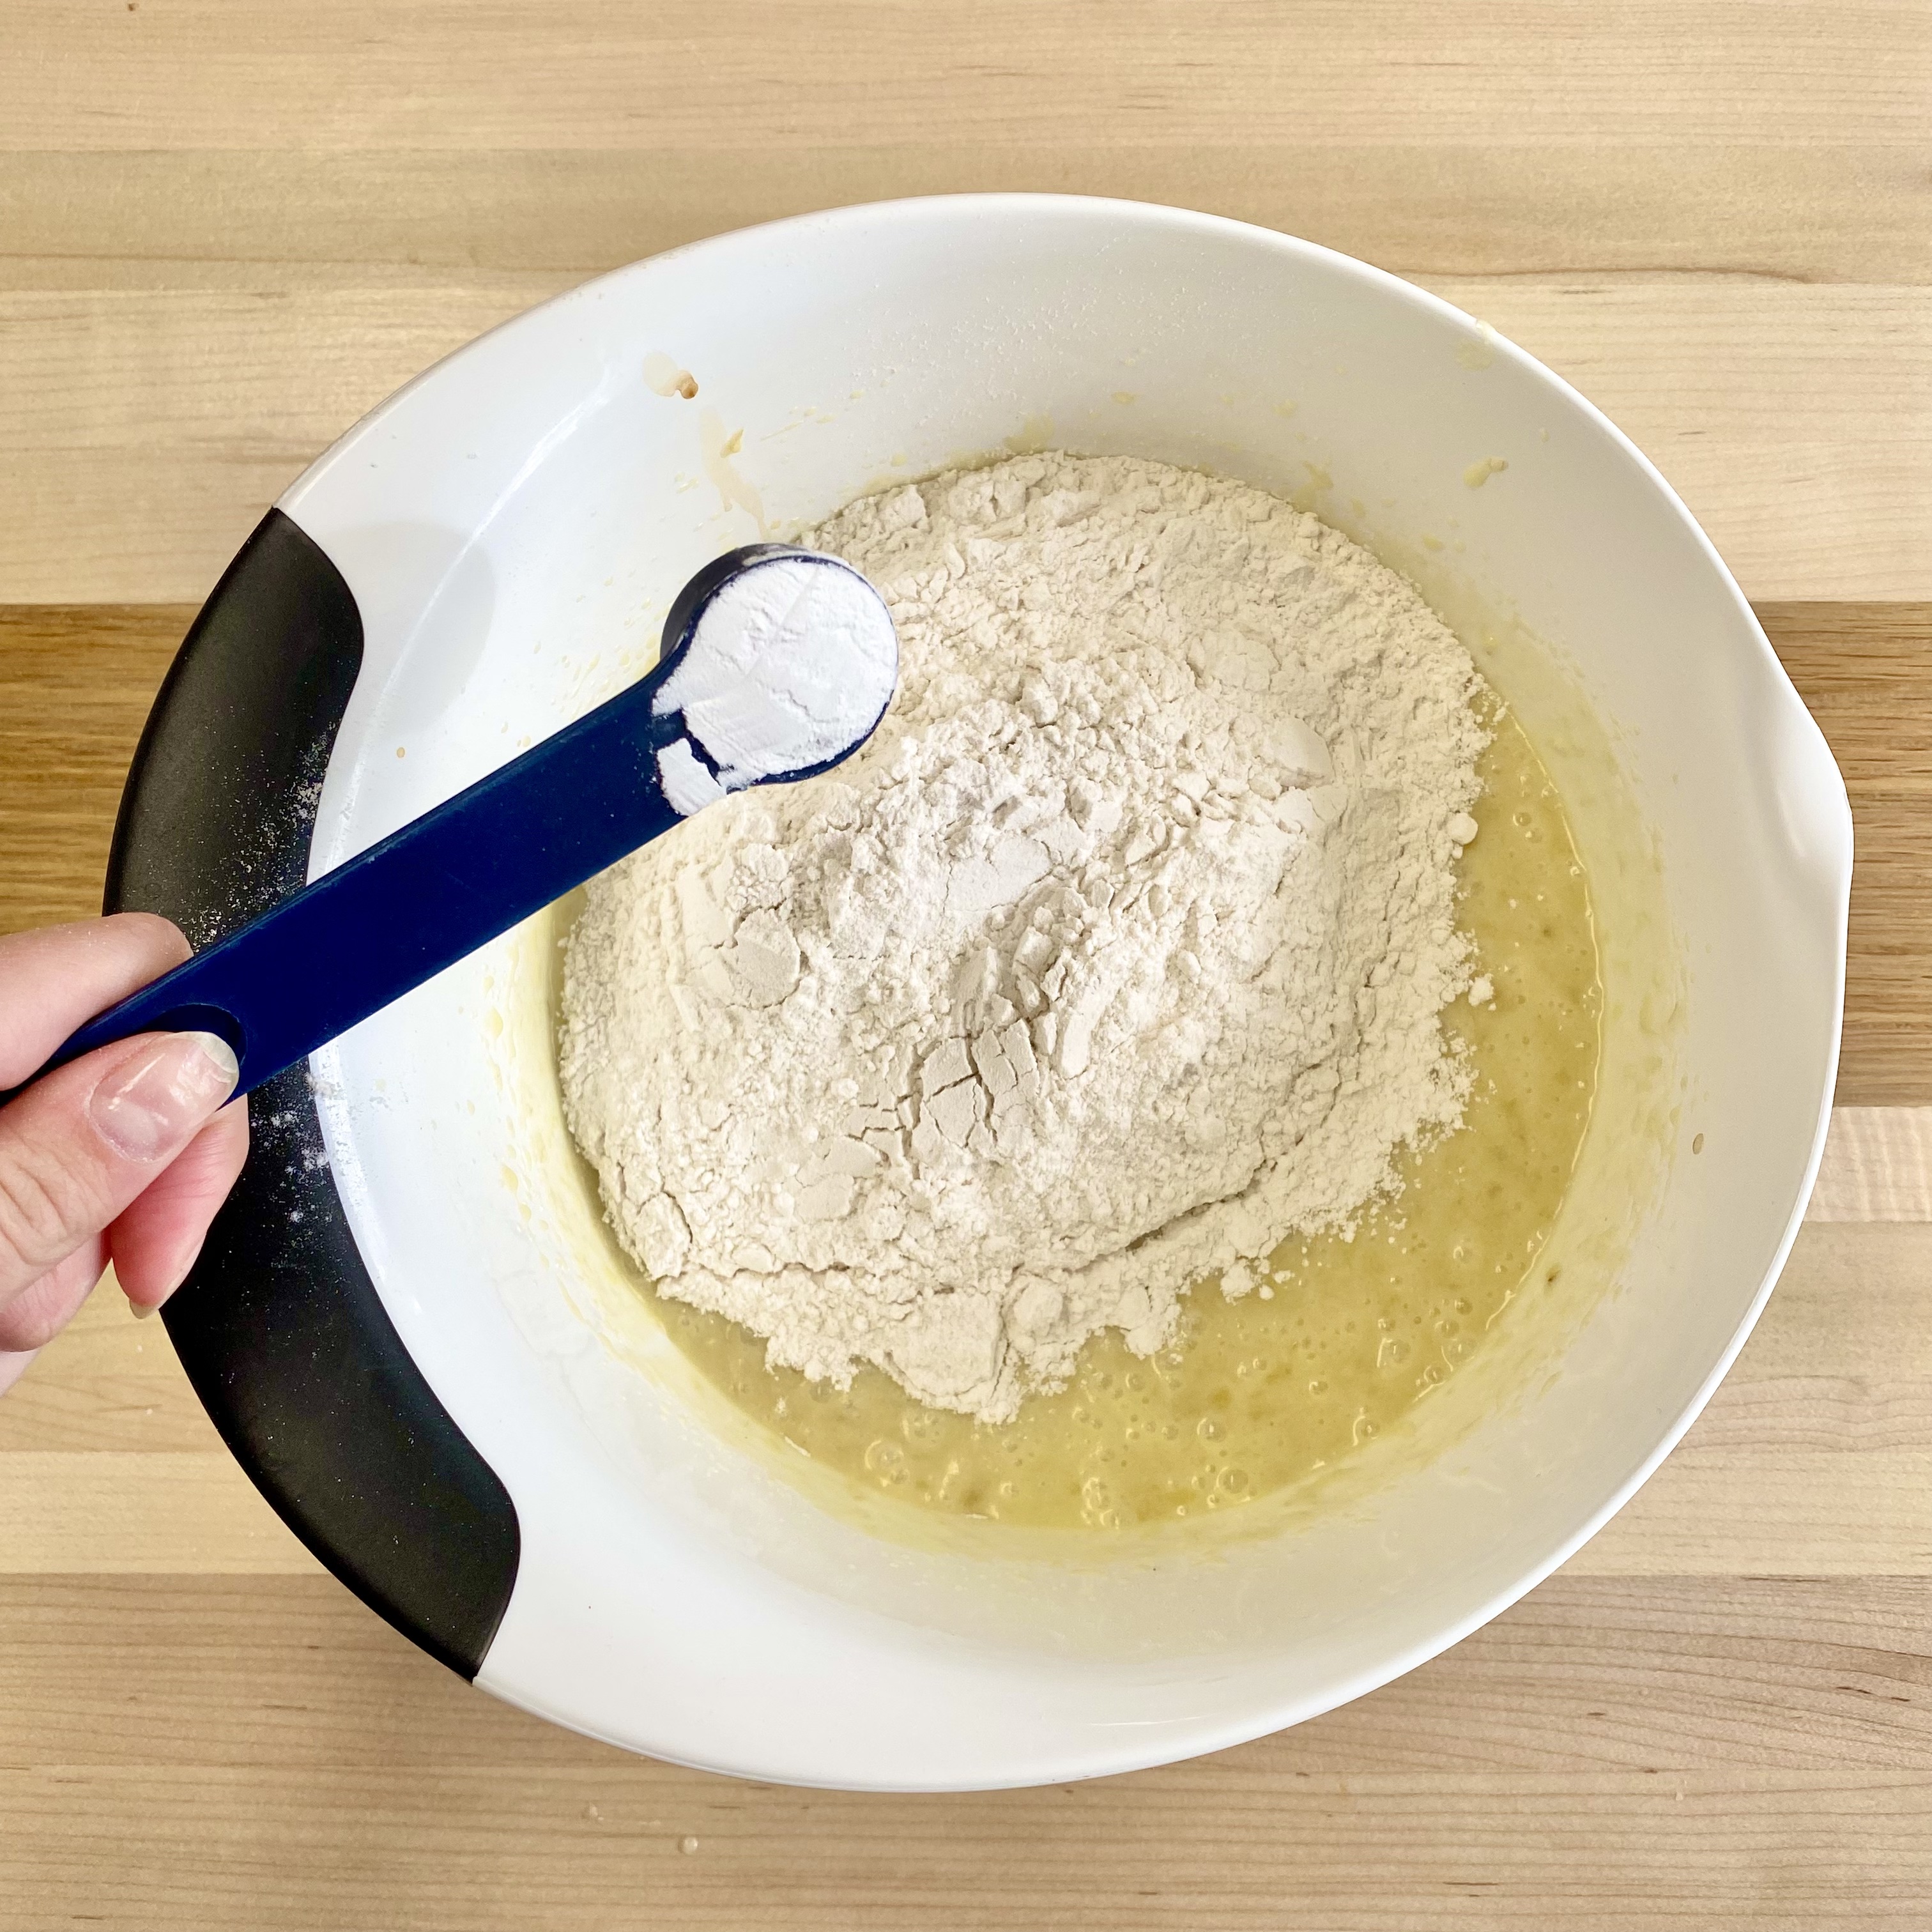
x,y
1256,1395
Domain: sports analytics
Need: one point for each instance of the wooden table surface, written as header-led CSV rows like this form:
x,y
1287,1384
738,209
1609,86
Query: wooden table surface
x,y
228,226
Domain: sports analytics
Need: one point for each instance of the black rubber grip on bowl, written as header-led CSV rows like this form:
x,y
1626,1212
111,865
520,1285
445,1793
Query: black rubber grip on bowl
x,y
279,1325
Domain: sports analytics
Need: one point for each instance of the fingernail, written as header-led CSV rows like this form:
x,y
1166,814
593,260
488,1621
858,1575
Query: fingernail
x,y
150,1108
141,1310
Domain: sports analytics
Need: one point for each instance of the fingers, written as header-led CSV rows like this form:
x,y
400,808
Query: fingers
x,y
152,1244
59,977
41,1309
155,1240
76,1147
81,1149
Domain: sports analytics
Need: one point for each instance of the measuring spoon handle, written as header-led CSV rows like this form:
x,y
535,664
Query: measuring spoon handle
x,y
362,935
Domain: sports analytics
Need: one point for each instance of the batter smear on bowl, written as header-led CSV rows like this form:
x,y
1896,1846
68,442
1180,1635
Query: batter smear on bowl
x,y
1115,960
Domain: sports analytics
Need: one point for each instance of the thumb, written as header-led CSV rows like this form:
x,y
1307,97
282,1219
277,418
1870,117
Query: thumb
x,y
79,1145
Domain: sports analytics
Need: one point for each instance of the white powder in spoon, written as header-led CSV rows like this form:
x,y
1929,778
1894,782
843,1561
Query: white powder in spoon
x,y
1114,957
789,662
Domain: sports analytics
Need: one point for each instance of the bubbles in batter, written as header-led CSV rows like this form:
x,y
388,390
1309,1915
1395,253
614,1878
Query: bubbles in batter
x,y
1342,1337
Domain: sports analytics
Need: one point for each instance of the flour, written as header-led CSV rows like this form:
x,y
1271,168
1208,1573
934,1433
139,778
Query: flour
x,y
1114,957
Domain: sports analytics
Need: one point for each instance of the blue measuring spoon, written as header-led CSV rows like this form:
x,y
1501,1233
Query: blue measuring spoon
x,y
741,687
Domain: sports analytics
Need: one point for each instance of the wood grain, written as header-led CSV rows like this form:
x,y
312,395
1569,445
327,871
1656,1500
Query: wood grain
x,y
1877,1166
1866,672
278,1757
195,300
1239,1849
75,688
1814,1458
145,430
359,74
75,685
203,218
203,1672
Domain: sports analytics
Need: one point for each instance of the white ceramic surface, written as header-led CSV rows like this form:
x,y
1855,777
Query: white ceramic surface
x,y
512,525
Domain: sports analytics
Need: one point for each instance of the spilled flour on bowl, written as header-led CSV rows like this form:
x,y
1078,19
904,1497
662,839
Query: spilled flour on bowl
x,y
1116,956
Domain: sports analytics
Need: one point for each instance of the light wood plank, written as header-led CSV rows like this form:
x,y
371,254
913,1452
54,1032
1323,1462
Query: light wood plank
x,y
1769,1509
1795,421
113,1383
1866,672
1586,1676
1242,1851
142,436
711,76
143,431
202,218
1813,1458
75,685
1877,1166
121,1512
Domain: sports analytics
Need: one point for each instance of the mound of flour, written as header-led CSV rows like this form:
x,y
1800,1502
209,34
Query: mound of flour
x,y
1115,956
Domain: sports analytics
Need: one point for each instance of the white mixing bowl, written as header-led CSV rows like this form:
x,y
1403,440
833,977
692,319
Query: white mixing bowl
x,y
511,526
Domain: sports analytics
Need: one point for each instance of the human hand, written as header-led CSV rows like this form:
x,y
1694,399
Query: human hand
x,y
124,1154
